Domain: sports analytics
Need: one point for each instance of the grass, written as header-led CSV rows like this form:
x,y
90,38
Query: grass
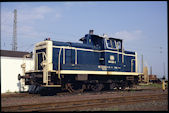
x,y
8,91
155,85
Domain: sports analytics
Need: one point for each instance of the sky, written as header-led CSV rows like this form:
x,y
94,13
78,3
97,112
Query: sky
x,y
141,24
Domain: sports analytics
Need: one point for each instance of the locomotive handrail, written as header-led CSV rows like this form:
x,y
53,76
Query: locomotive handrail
x,y
132,64
59,63
44,65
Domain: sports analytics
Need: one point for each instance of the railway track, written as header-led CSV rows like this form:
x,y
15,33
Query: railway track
x,y
26,94
85,104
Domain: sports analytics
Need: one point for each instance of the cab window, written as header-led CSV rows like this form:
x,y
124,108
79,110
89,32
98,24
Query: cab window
x,y
118,44
109,44
113,43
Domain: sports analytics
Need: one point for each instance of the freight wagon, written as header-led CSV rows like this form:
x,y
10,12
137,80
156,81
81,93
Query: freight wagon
x,y
99,62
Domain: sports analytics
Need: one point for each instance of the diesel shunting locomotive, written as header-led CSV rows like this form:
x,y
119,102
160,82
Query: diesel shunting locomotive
x,y
99,62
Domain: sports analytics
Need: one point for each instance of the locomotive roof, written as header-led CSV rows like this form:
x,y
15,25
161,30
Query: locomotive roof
x,y
97,36
116,38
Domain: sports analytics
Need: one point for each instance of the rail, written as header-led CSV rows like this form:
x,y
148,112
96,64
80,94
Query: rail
x,y
85,103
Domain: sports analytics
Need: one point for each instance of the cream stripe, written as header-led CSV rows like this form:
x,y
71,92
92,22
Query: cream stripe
x,y
75,56
96,72
67,47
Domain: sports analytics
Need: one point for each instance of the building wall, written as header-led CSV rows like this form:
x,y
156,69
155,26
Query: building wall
x,y
10,68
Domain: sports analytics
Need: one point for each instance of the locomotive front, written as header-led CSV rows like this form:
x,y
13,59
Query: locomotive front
x,y
43,67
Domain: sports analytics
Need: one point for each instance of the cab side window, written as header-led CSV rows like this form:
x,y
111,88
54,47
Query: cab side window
x,y
118,44
109,44
113,44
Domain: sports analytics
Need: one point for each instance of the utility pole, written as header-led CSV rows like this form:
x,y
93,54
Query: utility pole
x,y
14,39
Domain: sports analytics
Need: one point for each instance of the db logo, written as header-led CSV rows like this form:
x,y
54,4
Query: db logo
x,y
112,59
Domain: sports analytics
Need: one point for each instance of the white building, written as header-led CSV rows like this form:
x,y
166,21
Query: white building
x,y
11,62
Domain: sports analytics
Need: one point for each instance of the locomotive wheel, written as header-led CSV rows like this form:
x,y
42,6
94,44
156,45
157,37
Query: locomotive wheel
x,y
124,85
37,90
75,88
112,86
123,88
32,89
97,87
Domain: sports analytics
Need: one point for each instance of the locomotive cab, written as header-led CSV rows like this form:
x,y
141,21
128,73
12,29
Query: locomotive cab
x,y
102,42
93,40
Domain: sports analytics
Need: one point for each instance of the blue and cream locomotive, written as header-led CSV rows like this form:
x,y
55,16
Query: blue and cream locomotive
x,y
99,62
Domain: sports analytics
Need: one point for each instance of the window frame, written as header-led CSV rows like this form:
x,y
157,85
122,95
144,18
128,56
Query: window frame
x,y
119,45
111,44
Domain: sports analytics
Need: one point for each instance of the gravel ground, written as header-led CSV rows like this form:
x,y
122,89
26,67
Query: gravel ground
x,y
145,106
155,105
